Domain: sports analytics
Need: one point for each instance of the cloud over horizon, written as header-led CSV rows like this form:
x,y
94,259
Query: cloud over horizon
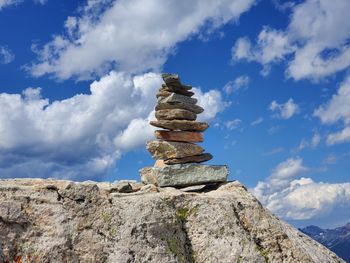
x,y
82,136
293,197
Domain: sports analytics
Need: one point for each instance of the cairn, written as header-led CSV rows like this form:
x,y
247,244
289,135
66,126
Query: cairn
x,y
176,112
176,153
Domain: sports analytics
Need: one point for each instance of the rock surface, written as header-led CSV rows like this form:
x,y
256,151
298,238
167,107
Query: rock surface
x,y
177,114
163,93
60,221
181,175
183,125
190,159
175,98
180,136
166,150
171,79
183,90
186,106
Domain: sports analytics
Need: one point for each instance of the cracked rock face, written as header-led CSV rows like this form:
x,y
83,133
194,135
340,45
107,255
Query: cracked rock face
x,y
61,221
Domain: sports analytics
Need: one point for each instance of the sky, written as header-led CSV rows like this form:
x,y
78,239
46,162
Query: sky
x,y
78,81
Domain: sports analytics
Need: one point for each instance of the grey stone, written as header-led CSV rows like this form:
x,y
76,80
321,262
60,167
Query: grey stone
x,y
190,159
186,106
182,125
183,90
166,150
180,175
175,98
171,79
122,186
147,176
149,188
223,225
175,114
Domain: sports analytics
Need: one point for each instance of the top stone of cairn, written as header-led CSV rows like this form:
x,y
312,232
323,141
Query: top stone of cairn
x,y
176,113
172,80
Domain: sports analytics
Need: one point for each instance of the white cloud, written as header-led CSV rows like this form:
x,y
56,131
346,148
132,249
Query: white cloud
x,y
130,35
301,198
211,102
81,137
283,5
257,121
6,55
233,124
342,136
315,140
242,49
42,2
337,109
273,130
284,110
271,47
315,51
274,151
5,3
240,82
313,143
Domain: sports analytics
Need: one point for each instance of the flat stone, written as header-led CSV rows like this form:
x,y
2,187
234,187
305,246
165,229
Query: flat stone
x,y
190,159
175,114
171,79
147,175
175,98
178,90
182,125
166,150
163,93
182,175
186,106
179,136
149,188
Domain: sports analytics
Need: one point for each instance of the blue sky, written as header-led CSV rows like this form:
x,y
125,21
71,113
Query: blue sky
x,y
78,84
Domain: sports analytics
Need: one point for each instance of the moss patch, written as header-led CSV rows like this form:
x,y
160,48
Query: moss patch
x,y
175,248
182,213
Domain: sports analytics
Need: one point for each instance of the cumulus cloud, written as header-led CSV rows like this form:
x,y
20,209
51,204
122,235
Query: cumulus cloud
x,y
271,46
337,110
81,137
315,51
6,55
96,41
292,197
211,101
284,110
280,178
239,83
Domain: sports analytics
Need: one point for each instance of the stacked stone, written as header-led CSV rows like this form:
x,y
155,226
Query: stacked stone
x,y
177,154
176,112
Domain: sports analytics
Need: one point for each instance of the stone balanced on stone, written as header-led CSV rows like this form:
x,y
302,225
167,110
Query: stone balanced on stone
x,y
177,156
